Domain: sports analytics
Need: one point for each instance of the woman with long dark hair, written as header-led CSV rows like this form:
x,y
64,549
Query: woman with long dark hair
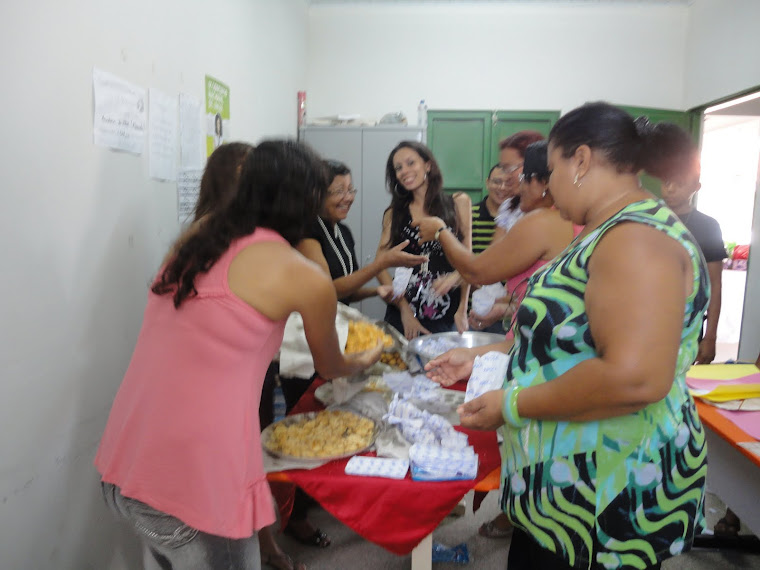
x,y
435,299
181,455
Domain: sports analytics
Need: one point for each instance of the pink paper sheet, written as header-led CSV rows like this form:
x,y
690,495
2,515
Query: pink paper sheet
x,y
746,421
707,384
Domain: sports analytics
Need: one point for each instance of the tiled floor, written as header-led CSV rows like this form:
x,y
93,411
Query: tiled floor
x,y
349,551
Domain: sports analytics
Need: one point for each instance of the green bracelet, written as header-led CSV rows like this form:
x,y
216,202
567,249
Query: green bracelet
x,y
509,408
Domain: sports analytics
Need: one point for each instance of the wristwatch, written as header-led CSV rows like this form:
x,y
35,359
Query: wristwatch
x,y
438,232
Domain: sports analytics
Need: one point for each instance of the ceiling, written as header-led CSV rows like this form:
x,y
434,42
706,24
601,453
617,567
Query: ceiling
x,y
634,2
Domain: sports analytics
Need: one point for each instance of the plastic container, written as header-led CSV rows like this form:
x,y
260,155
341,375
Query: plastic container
x,y
422,113
301,108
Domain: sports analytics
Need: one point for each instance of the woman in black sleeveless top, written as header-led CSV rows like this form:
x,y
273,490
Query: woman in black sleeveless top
x,y
431,302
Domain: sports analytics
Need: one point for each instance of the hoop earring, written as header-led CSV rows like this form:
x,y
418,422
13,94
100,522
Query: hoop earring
x,y
397,191
576,182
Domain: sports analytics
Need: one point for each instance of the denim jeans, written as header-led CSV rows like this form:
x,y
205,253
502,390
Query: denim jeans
x,y
170,544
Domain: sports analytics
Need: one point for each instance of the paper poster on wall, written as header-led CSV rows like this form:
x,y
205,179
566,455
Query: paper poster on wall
x,y
162,135
119,113
188,189
190,133
217,113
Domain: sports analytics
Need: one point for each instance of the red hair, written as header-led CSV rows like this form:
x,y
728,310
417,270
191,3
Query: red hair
x,y
520,141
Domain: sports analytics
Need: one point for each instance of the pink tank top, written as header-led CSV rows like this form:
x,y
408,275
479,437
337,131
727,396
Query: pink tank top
x,y
183,435
518,285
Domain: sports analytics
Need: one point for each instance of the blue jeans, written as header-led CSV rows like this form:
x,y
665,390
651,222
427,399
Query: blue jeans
x,y
170,544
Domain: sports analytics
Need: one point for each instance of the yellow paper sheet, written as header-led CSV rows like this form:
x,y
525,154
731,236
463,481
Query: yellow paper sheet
x,y
731,392
721,371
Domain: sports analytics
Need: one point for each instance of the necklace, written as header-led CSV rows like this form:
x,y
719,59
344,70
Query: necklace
x,y
339,235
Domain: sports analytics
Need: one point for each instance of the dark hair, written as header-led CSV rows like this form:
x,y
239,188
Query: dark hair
x,y
628,145
220,178
281,188
437,202
669,152
336,168
494,167
535,163
520,141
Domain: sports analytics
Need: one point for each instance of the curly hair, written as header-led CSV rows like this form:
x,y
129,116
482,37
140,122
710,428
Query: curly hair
x,y
281,188
437,202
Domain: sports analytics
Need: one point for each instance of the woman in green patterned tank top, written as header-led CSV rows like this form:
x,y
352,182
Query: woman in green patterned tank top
x,y
604,457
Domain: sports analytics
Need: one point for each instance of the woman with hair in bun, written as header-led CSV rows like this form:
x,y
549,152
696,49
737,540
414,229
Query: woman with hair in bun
x,y
538,236
435,299
604,457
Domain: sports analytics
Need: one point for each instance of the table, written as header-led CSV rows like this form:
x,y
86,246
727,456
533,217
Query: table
x,y
397,515
732,470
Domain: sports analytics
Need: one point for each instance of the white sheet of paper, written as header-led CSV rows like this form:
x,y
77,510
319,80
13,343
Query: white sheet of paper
x,y
188,188
120,113
190,133
753,446
162,135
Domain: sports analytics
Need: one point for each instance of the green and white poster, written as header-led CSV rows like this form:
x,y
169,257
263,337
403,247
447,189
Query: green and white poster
x,y
217,113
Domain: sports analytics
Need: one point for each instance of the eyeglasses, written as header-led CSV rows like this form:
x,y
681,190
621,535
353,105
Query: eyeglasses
x,y
343,192
497,182
511,168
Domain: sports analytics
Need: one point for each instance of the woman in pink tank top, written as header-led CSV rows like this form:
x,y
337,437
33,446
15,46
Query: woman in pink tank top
x,y
181,455
534,239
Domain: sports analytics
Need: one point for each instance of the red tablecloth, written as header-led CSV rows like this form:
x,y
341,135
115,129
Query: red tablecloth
x,y
396,515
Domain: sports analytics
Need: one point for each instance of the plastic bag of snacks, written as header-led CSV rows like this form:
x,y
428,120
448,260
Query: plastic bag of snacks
x,y
363,335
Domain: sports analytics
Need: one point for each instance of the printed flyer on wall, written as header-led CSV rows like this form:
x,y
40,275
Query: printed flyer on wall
x,y
217,114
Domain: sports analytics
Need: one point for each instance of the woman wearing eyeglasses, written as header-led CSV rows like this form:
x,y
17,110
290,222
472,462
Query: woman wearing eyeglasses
x,y
536,238
511,157
331,244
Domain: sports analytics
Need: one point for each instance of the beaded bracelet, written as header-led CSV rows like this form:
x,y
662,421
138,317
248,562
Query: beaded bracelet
x,y
509,407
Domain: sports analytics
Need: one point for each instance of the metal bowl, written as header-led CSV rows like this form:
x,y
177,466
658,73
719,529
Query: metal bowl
x,y
426,347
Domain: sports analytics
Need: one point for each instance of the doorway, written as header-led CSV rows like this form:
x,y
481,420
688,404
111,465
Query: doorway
x,y
729,156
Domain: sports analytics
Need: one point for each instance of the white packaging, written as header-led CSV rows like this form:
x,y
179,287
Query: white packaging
x,y
401,278
377,467
488,373
484,298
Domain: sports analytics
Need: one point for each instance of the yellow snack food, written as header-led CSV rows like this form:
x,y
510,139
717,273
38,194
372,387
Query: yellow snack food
x,y
363,336
330,433
393,359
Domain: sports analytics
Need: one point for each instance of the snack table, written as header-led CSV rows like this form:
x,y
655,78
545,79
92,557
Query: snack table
x,y
733,471
399,515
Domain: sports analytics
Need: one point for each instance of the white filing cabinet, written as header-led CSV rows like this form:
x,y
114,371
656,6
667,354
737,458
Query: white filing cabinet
x,y
365,151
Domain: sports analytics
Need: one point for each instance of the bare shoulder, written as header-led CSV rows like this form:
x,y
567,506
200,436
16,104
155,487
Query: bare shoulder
x,y
638,243
276,279
462,200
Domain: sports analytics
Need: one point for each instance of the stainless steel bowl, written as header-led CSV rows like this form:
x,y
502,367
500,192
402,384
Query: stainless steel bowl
x,y
426,347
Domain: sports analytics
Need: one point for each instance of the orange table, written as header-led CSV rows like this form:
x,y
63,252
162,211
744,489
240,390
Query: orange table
x,y
733,472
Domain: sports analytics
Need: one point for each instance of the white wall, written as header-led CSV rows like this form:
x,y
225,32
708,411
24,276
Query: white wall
x,y
83,228
373,59
722,59
722,49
